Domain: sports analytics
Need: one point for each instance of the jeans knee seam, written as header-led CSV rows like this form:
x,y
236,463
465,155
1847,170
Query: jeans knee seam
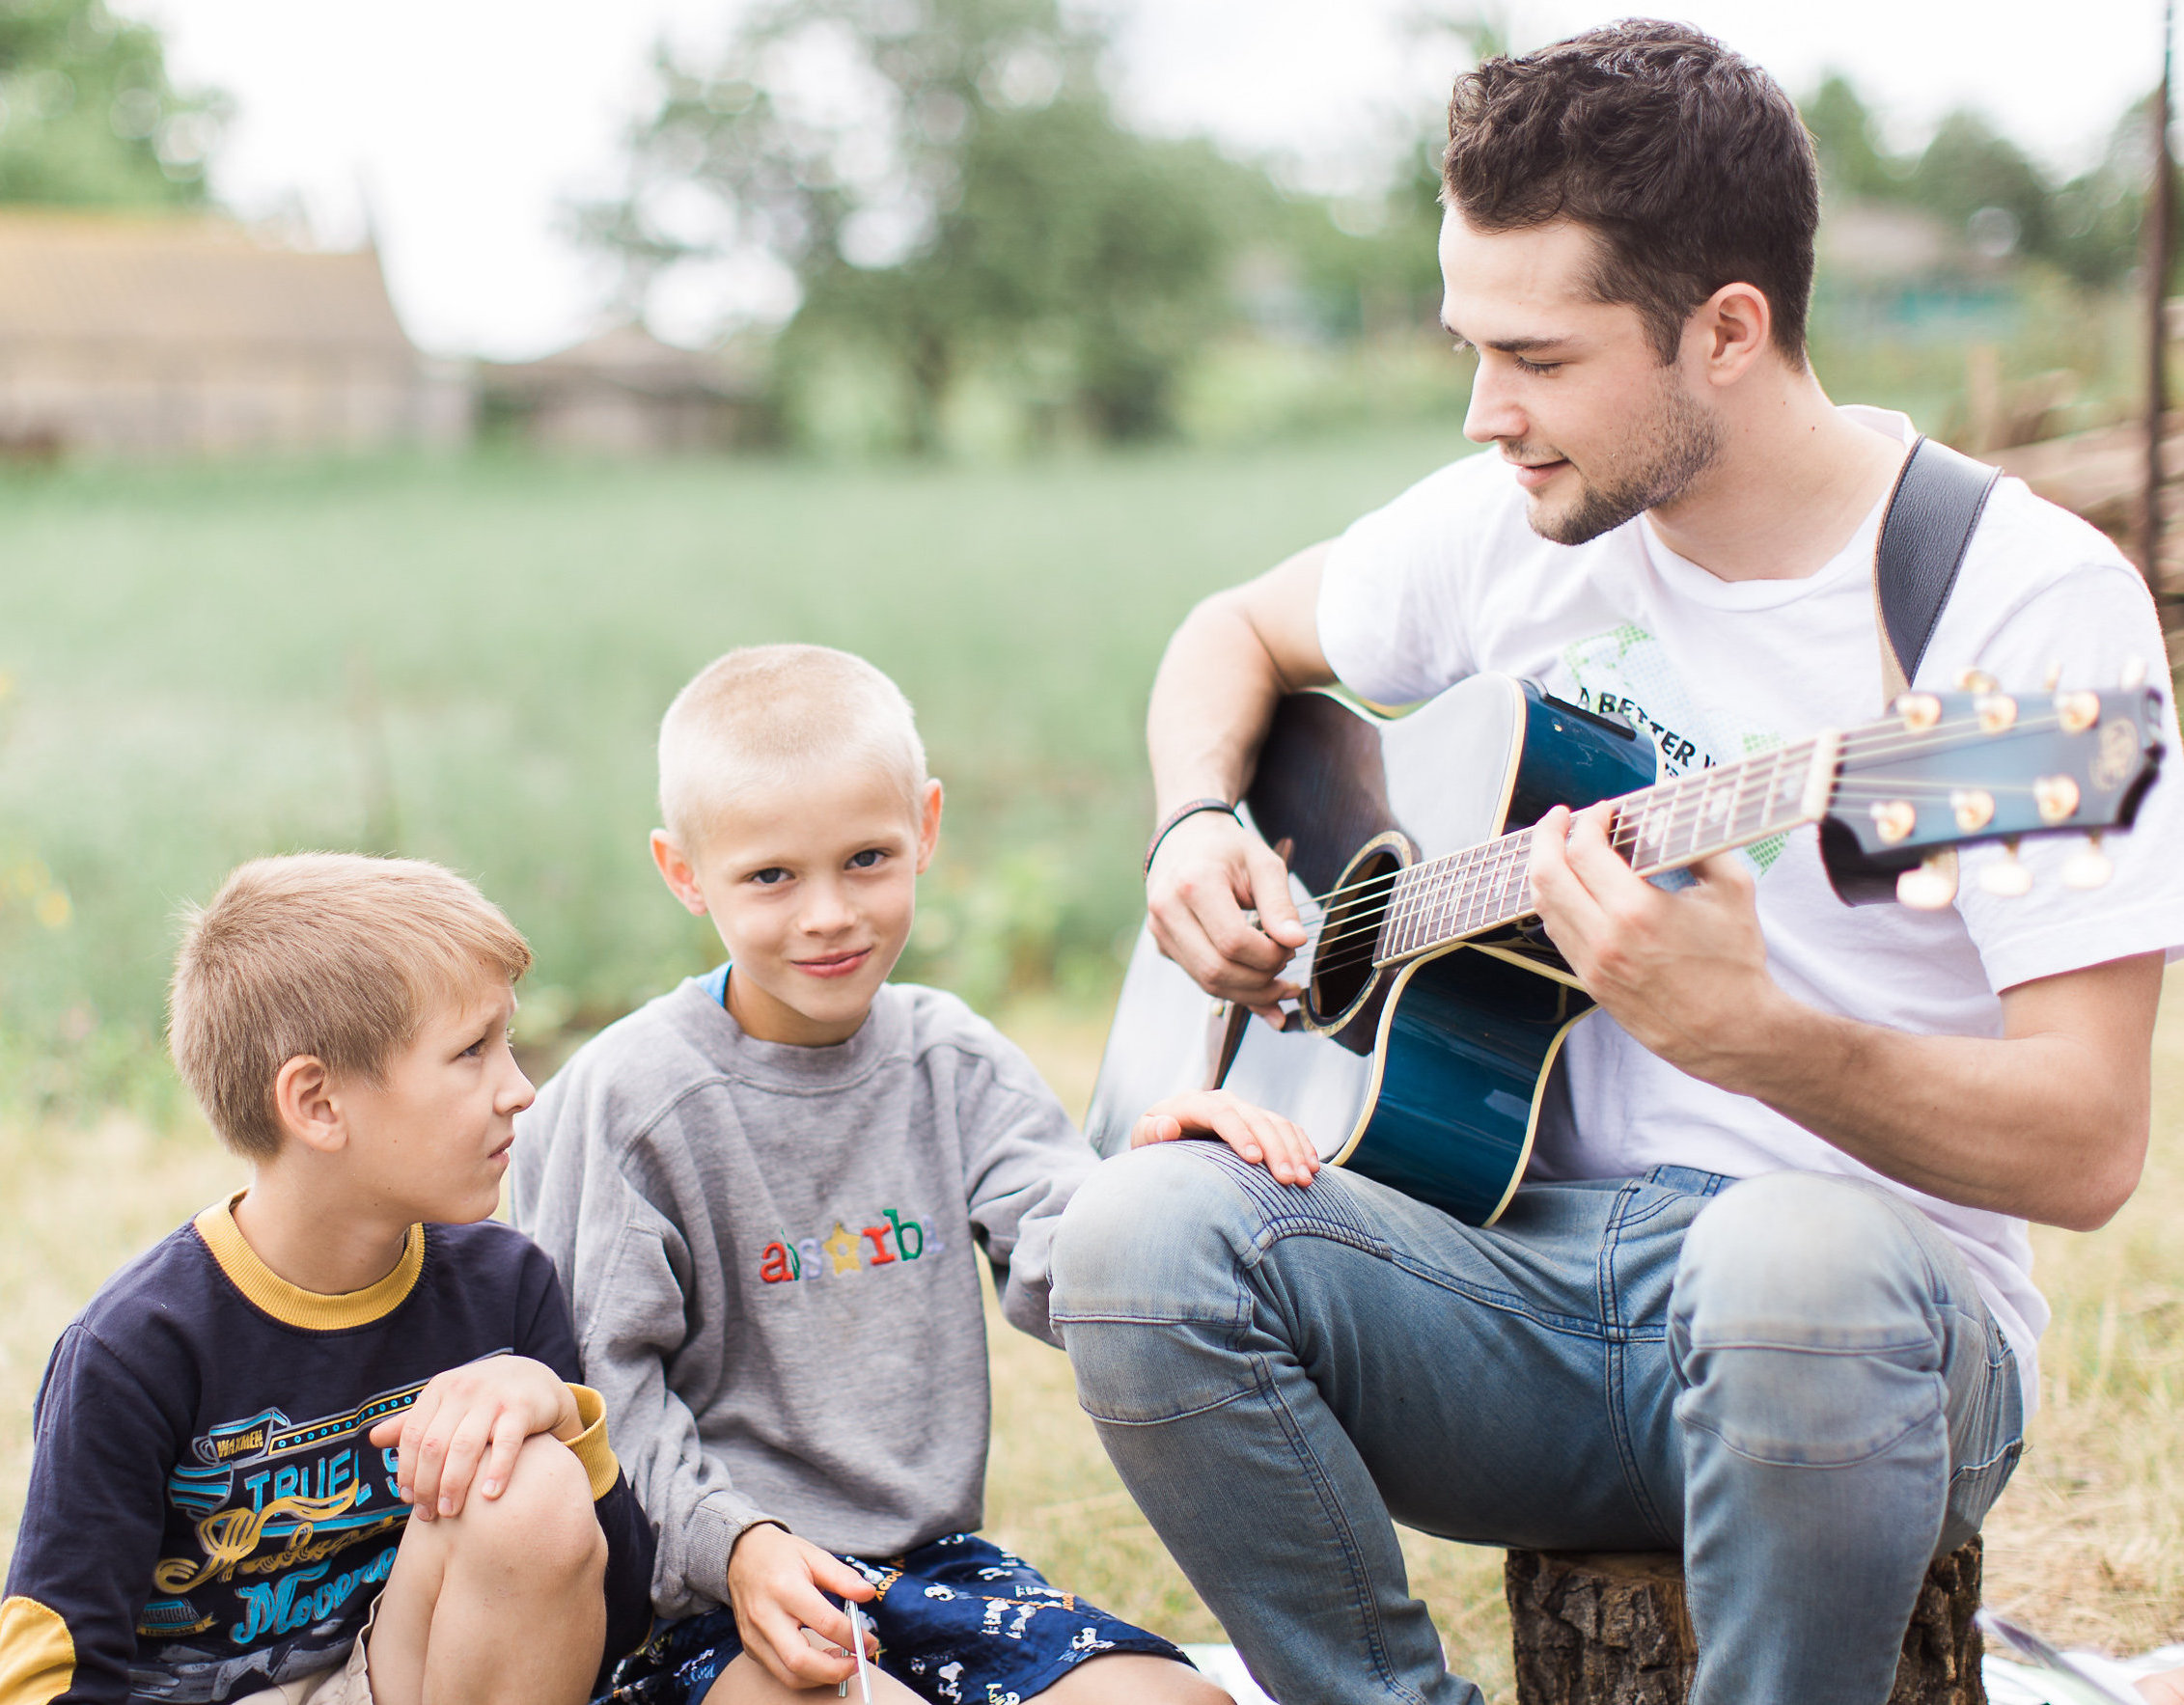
x,y
1162,1420
1938,1412
1804,1346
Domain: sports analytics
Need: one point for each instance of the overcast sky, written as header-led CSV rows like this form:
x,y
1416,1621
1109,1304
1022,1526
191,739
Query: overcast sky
x,y
465,126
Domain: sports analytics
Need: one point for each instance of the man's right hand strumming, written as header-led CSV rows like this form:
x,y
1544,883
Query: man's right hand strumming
x,y
1206,871
1228,665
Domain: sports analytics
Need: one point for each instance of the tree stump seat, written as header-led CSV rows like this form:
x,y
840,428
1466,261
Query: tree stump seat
x,y
1614,1629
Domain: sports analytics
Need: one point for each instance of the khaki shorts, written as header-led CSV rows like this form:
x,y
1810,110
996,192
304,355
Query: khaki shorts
x,y
345,1683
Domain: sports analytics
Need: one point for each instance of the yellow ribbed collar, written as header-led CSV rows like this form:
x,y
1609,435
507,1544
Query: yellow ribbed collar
x,y
291,1305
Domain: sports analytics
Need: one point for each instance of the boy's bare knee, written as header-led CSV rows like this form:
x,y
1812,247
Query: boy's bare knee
x,y
1134,1678
541,1526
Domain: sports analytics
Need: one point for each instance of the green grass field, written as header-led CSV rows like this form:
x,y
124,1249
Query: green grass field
x,y
467,660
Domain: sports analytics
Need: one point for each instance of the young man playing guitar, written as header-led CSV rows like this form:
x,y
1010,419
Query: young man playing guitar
x,y
1764,1297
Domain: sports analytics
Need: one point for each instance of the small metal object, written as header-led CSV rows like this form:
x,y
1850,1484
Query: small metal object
x,y
1930,885
1895,819
2057,796
1974,808
2077,711
1974,680
2053,679
1997,712
857,1644
1919,711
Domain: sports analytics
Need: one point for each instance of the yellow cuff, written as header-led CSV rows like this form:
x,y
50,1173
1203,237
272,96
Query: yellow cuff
x,y
591,1445
37,1657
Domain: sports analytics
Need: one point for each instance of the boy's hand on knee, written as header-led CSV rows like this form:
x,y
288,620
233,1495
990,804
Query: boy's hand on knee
x,y
775,1586
468,1425
1261,1137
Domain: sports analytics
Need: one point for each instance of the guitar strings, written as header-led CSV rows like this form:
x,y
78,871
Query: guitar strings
x,y
1695,791
1662,820
1714,794
1678,792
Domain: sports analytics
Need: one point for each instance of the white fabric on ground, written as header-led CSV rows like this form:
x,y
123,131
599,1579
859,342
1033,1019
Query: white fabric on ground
x,y
2008,1683
2012,1683
1224,1668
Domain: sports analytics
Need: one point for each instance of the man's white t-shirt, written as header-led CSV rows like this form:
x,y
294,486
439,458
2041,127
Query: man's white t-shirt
x,y
1448,581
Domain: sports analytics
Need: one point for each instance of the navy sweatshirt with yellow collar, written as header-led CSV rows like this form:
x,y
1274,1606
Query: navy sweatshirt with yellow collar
x,y
206,1516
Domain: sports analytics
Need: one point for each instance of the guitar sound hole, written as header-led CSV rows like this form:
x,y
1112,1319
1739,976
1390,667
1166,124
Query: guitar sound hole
x,y
1341,969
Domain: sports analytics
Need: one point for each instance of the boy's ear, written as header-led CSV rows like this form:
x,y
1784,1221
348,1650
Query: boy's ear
x,y
676,872
929,825
306,1106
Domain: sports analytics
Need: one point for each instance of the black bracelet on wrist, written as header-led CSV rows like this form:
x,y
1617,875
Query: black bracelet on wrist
x,y
1189,809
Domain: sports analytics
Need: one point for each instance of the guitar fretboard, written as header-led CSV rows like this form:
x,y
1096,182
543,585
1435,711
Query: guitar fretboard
x,y
1483,887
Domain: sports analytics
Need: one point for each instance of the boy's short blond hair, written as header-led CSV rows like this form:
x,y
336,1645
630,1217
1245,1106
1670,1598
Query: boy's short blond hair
x,y
767,713
330,955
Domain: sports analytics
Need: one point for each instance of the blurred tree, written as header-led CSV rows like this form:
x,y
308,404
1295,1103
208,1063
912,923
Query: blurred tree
x,y
1848,140
1372,261
2095,218
943,181
1969,167
1983,186
88,115
1372,264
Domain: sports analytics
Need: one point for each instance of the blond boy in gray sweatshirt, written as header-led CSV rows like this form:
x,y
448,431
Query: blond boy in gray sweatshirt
x,y
766,1191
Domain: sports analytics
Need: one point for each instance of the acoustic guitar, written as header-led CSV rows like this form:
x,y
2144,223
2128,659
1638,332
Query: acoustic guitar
x,y
1433,1007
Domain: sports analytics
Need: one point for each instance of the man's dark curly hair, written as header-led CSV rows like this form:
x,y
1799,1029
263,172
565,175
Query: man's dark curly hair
x,y
1687,161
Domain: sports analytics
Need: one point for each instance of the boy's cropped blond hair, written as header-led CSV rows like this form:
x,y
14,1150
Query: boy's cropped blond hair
x,y
330,955
767,713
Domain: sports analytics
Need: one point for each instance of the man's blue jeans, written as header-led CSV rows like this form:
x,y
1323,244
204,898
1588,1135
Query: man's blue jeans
x,y
1792,1379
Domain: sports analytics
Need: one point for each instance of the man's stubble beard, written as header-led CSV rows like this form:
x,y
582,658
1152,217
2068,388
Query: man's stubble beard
x,y
1674,447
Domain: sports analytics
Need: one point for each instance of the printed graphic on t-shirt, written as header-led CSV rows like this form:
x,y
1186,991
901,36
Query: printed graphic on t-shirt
x,y
1626,672
273,1505
848,1250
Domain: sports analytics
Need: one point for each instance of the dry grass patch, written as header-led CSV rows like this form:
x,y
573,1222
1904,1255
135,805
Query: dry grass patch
x,y
2088,1542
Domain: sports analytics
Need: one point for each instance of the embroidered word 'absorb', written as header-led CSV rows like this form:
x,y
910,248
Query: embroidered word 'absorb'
x,y
844,1253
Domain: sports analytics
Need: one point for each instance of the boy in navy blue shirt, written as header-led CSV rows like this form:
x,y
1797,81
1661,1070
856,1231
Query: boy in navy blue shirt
x,y
233,1438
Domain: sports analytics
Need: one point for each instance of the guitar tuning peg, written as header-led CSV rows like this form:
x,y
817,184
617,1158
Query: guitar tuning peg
x,y
2090,868
2133,672
2054,678
1929,885
1975,681
2007,877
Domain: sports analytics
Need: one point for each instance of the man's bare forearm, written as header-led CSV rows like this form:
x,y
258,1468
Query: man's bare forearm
x,y
2048,1122
1226,668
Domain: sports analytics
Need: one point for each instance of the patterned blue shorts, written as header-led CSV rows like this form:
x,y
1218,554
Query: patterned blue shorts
x,y
960,1622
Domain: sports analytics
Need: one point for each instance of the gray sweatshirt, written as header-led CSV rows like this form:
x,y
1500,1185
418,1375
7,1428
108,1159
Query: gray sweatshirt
x,y
771,1254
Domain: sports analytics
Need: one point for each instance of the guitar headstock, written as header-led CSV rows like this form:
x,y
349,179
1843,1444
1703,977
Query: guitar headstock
x,y
1949,768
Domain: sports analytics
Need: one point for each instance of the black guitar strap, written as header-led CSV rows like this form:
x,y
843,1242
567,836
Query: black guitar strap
x,y
1937,502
